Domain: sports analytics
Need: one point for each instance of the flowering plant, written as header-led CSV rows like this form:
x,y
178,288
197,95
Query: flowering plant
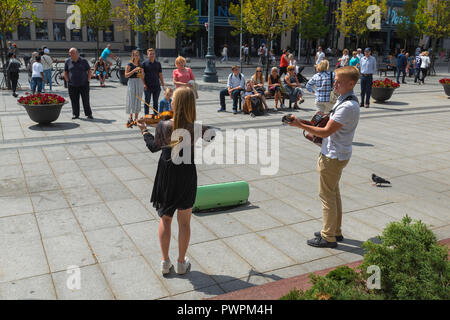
x,y
386,83
41,98
444,81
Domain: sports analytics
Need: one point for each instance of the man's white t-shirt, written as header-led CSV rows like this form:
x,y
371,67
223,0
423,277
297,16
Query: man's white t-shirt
x,y
37,69
339,144
319,57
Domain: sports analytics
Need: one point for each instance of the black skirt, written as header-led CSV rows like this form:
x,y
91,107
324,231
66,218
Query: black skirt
x,y
175,185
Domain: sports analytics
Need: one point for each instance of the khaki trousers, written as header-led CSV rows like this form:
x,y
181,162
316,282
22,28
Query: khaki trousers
x,y
324,107
330,171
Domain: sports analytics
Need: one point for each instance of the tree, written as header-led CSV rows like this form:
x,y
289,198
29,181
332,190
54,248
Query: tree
x,y
433,19
407,28
95,14
152,16
311,15
352,17
12,14
267,18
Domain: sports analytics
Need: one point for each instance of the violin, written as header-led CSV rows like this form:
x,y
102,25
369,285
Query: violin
x,y
150,119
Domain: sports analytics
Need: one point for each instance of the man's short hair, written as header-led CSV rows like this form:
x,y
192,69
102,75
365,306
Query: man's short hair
x,y
348,72
234,67
150,50
38,58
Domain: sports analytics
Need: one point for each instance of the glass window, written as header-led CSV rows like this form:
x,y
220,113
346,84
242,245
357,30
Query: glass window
x,y
92,36
59,31
41,31
108,34
76,35
23,32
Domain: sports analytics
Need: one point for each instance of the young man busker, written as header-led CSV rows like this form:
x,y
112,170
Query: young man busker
x,y
335,154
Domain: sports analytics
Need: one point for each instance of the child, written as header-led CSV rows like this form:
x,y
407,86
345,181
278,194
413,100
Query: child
x,y
166,103
37,76
249,93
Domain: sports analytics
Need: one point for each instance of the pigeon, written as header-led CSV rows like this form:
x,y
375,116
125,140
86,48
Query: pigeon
x,y
379,180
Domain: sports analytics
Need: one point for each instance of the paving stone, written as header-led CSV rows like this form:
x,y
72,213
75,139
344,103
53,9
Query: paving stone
x,y
101,176
31,156
222,225
57,223
22,259
72,180
111,244
10,172
210,256
320,264
283,212
9,158
35,288
293,245
112,192
141,188
133,279
256,219
49,200
93,285
42,183
259,253
13,187
67,250
65,166
129,211
94,217
18,228
203,293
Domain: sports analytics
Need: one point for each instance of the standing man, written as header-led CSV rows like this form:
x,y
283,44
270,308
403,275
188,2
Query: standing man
x,y
246,54
77,74
320,55
402,62
335,154
47,64
417,64
153,79
368,65
13,69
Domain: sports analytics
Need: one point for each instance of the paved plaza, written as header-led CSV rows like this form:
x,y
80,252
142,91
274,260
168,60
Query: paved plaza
x,y
77,193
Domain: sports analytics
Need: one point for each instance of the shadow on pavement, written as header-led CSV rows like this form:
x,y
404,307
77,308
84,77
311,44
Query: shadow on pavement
x,y
244,207
354,246
104,121
57,126
362,144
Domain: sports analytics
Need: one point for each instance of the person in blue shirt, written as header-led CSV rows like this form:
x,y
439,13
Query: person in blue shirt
x,y
166,103
354,61
107,53
402,61
368,66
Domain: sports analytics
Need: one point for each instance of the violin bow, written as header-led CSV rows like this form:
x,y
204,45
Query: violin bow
x,y
147,104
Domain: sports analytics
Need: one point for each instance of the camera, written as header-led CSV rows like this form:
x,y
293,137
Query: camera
x,y
287,118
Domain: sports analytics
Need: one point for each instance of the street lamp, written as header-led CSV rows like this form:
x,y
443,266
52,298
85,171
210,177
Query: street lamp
x,y
210,74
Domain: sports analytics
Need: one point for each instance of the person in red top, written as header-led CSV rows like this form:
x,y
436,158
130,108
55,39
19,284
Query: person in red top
x,y
284,62
183,76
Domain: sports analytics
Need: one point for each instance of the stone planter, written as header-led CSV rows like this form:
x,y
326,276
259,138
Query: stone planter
x,y
44,113
382,94
447,89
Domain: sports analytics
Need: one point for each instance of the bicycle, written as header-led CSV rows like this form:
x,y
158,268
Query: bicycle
x,y
58,74
115,68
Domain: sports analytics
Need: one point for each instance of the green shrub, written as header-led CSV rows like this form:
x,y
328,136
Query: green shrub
x,y
412,263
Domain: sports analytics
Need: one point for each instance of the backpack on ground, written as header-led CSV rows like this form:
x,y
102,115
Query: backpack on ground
x,y
257,106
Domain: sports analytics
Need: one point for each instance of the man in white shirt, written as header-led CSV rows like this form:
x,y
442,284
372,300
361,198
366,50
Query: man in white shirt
x,y
320,55
47,64
359,53
235,84
335,154
37,76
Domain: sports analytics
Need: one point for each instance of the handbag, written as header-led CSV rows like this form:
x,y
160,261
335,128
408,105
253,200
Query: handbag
x,y
320,120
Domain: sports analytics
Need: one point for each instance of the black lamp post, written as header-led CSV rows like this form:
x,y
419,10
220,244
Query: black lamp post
x,y
210,74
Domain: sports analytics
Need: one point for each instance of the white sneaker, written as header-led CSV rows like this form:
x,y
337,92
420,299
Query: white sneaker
x,y
183,267
165,266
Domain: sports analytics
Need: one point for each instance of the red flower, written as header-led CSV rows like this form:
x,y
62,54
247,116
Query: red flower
x,y
445,81
38,99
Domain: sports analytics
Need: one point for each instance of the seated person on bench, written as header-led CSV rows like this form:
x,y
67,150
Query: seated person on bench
x,y
249,93
235,84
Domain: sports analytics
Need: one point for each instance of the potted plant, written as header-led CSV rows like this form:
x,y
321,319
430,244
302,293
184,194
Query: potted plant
x,y
446,84
382,90
42,108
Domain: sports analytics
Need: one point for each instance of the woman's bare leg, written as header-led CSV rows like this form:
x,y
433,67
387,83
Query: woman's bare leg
x,y
164,236
184,232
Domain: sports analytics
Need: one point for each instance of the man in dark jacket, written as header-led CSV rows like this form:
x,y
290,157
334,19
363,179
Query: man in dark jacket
x,y
402,61
13,72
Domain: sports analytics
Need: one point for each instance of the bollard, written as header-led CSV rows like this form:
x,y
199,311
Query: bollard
x,y
221,195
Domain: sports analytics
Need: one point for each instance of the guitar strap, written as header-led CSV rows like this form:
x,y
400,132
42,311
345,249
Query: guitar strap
x,y
352,97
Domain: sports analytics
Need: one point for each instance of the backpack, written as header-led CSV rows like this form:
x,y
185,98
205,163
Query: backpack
x,y
257,107
13,66
418,62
